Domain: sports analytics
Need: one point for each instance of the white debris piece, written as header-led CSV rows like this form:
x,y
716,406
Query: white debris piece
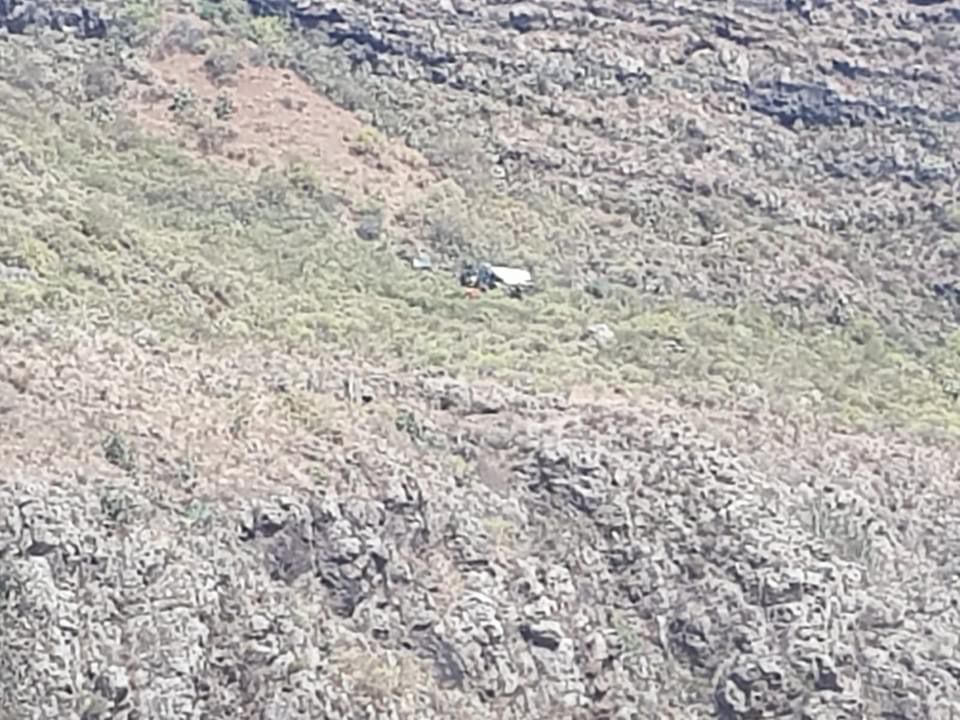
x,y
601,333
421,262
514,277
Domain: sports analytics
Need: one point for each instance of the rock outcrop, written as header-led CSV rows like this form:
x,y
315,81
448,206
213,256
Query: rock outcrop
x,y
81,19
606,562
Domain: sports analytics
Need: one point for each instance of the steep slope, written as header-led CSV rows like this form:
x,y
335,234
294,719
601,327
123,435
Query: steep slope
x,y
197,533
818,138
764,306
252,462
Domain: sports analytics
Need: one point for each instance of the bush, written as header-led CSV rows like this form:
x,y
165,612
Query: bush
x,y
223,107
184,35
137,22
371,224
100,80
211,139
222,66
223,12
269,33
183,99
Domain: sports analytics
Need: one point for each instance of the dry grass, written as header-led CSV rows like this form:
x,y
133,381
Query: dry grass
x,y
123,228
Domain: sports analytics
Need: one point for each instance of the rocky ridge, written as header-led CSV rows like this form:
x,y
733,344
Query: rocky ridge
x,y
578,560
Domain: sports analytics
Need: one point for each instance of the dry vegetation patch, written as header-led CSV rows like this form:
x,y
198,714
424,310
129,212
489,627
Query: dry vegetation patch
x,y
253,462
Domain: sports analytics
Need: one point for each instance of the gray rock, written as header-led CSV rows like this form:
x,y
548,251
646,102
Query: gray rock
x,y
601,333
81,19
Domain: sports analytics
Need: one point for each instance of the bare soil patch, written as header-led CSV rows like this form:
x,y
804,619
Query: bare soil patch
x,y
260,116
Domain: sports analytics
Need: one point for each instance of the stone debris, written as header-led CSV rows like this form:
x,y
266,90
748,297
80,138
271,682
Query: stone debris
x,y
628,560
601,333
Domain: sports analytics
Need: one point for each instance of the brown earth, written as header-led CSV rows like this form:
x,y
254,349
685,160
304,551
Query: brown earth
x,y
275,119
279,119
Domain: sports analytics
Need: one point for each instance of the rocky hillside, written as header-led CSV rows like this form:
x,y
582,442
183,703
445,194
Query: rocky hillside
x,y
255,462
800,153
257,535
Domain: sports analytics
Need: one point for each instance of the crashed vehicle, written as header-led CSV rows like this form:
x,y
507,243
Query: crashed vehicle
x,y
484,276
